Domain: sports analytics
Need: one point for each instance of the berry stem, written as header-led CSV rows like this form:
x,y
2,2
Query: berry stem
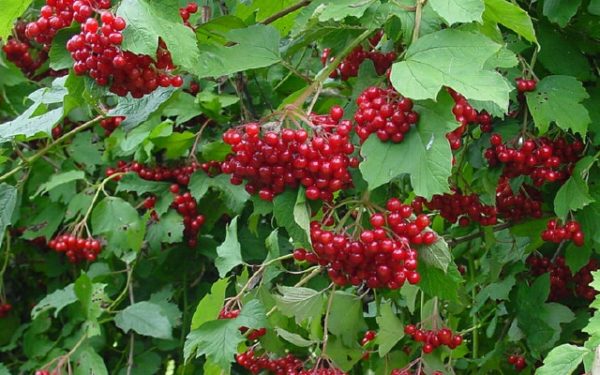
x,y
326,322
418,16
286,11
458,240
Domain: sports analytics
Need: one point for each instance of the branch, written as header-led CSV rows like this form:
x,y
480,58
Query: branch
x,y
418,16
285,12
458,240
130,361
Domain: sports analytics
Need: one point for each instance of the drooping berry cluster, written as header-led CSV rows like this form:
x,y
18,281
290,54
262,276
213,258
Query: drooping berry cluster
x,y
525,85
111,123
557,233
187,11
560,276
5,308
517,361
24,56
431,339
384,112
583,278
543,159
349,66
179,174
270,160
193,221
517,206
97,52
383,257
465,114
288,365
77,249
457,207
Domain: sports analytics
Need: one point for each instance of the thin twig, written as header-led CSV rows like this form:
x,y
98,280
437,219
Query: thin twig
x,y
130,361
285,12
418,16
472,236
326,323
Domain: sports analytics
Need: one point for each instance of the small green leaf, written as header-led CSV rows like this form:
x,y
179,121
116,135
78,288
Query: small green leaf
x,y
511,16
112,214
210,305
562,360
301,303
390,329
58,300
59,179
346,316
560,11
458,11
11,10
340,9
144,318
436,254
8,200
58,55
83,290
229,252
284,206
137,111
594,7
294,338
169,229
234,196
574,194
436,283
558,99
87,362
132,182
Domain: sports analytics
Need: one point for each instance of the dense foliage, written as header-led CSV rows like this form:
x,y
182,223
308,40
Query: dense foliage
x,y
299,187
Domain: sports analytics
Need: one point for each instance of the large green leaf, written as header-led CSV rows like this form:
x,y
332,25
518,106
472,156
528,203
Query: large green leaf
x,y
390,329
574,194
455,59
346,316
11,10
147,21
340,9
288,210
137,111
169,229
435,283
560,54
560,11
59,179
145,318
424,154
436,254
112,214
234,196
57,300
87,362
563,360
511,16
229,252
210,305
455,11
258,44
301,303
558,99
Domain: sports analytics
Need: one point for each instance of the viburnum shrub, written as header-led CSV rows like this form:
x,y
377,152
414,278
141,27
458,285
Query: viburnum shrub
x,y
299,187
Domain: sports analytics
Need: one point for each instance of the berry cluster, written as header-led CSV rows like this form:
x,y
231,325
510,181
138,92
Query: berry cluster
x,y
23,56
557,233
180,175
212,168
543,159
186,205
457,207
253,335
186,12
367,338
432,339
465,114
45,372
5,308
97,52
583,278
77,249
518,362
526,203
384,112
111,123
381,257
349,66
273,159
525,85
288,365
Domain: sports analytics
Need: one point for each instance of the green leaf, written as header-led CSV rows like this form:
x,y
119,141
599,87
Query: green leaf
x,y
258,44
301,303
301,212
558,99
451,58
8,200
424,154
341,9
28,125
168,229
560,54
46,222
229,252
458,11
144,318
59,299
435,283
294,338
560,11
210,305
112,214
284,209
495,291
390,329
58,55
83,290
574,194
234,196
59,179
3,369
436,254
147,21
346,317
562,360
132,182
594,7
137,111
84,150
343,356
510,16
87,362
11,10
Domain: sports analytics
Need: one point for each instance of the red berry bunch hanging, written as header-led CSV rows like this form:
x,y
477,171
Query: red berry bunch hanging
x,y
77,249
212,168
525,85
583,278
349,66
271,160
177,174
410,372
560,275
518,362
186,205
462,208
279,366
111,123
23,55
97,52
557,233
543,159
432,339
465,114
384,112
5,308
517,206
383,257
186,12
